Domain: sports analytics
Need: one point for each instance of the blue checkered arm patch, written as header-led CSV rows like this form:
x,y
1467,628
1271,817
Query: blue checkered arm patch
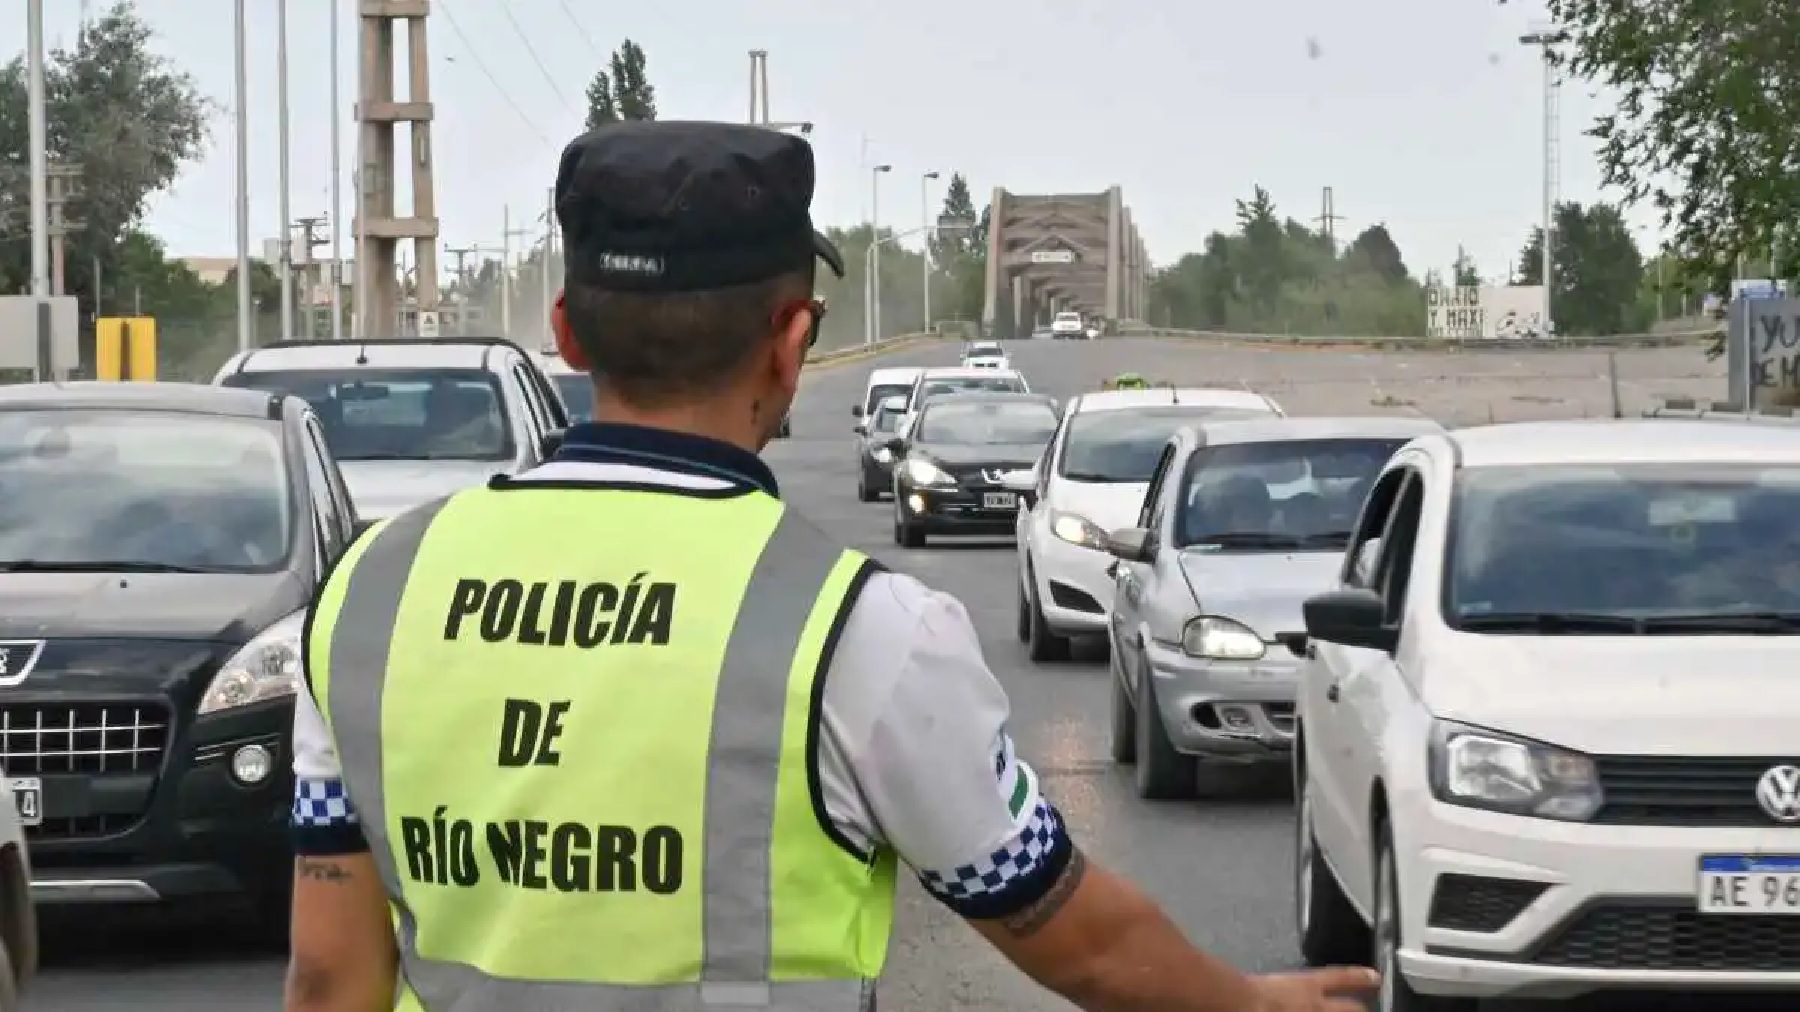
x,y
1012,877
323,822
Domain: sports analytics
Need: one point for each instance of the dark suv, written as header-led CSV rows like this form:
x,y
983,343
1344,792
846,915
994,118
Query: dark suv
x,y
159,545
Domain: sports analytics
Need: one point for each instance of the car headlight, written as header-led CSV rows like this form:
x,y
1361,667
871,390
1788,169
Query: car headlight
x,y
1221,639
1476,768
881,454
1078,530
267,667
924,472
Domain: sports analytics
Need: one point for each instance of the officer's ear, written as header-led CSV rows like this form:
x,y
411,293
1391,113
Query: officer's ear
x,y
796,324
566,345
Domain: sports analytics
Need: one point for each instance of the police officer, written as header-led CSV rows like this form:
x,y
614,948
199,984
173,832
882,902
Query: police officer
x,y
626,732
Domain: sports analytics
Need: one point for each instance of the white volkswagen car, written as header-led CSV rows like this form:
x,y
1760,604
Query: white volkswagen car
x,y
1547,730
1091,481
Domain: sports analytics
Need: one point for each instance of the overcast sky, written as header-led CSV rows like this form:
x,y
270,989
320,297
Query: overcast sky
x,y
1423,114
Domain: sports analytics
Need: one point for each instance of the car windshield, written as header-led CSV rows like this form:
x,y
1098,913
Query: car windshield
x,y
882,391
986,423
1124,445
1068,317
972,384
577,393
1666,547
399,414
142,491
1279,495
985,351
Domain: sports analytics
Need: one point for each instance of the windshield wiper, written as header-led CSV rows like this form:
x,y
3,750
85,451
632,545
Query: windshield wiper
x,y
1095,476
106,566
1247,539
1765,623
1328,539
1553,622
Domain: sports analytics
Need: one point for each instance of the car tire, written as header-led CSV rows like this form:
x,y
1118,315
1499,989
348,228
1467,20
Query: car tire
x,y
9,983
1024,619
907,535
1330,931
866,492
1123,734
1042,644
1163,774
1396,995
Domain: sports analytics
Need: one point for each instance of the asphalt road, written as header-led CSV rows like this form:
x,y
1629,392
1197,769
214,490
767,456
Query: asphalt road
x,y
1221,865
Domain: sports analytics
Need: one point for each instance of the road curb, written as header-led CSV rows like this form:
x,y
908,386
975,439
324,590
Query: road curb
x,y
1420,344
836,358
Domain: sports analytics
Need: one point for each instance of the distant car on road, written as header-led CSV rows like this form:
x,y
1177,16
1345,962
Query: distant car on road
x,y
159,546
1243,519
950,474
986,355
885,383
413,419
1547,717
944,380
1068,326
1090,482
874,459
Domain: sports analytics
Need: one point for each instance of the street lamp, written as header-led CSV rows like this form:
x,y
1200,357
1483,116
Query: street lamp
x,y
872,286
925,230
1545,40
246,311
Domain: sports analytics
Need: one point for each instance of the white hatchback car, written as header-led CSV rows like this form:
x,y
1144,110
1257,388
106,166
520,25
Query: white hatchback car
x,y
1091,481
986,355
1547,730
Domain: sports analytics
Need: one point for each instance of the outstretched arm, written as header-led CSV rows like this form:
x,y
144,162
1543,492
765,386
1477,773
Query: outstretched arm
x,y
342,954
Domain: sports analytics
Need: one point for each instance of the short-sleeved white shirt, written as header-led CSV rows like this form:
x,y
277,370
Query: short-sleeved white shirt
x,y
913,753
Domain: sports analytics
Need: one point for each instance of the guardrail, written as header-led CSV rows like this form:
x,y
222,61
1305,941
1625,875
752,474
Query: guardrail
x,y
856,351
1663,340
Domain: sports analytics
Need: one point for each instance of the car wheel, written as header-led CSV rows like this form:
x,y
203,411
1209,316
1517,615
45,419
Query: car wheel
x,y
906,535
1396,995
1331,932
1042,644
9,983
1163,774
1124,718
1024,619
866,492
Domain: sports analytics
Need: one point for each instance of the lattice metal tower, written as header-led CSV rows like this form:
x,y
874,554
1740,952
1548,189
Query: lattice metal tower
x,y
379,226
1545,39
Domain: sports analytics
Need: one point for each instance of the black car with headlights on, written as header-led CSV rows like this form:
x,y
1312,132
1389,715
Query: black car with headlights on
x,y
159,545
952,463
874,458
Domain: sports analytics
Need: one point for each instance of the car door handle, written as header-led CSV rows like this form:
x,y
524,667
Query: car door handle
x,y
1332,692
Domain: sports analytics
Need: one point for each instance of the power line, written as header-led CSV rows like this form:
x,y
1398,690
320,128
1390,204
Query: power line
x,y
582,30
475,58
531,51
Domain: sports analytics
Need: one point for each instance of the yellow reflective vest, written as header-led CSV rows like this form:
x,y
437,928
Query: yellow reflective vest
x,y
579,726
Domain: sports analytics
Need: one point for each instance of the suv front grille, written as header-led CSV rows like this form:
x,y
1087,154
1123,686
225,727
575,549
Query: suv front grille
x,y
1682,790
1672,937
38,739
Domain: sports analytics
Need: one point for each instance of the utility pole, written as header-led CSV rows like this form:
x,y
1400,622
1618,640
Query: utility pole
x,y
337,187
39,154
380,228
507,235
549,252
310,241
1546,40
759,96
1328,218
284,177
65,186
925,242
462,254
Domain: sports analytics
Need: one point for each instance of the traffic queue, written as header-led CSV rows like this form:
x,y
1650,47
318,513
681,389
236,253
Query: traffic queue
x,y
1532,681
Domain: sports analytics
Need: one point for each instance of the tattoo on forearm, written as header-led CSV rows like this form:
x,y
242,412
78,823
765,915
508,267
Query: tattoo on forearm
x,y
322,871
1032,919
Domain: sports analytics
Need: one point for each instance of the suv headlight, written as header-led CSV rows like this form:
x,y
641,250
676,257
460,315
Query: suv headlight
x,y
1221,639
1078,530
924,472
1477,768
267,667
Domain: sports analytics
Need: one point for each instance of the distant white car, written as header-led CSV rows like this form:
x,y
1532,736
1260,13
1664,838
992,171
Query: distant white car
x,y
986,355
1547,719
1068,325
18,918
1090,482
941,380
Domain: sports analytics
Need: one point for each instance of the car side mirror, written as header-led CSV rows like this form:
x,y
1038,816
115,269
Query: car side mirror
x,y
1020,481
860,429
895,446
1354,617
1131,544
550,442
856,411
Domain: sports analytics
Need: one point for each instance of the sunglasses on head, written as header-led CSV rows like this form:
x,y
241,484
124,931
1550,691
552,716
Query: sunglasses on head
x,y
814,308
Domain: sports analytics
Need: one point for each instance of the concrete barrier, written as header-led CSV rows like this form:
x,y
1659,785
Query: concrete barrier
x,y
839,356
1664,340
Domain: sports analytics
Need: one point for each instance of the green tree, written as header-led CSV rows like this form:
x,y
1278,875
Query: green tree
x,y
1375,248
959,261
1464,273
624,94
125,117
1599,271
1707,118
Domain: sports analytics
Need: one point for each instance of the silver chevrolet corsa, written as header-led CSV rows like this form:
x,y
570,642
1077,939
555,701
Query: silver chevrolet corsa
x,y
1243,520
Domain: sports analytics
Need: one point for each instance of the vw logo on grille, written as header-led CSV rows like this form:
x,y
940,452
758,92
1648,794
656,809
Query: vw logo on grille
x,y
1778,791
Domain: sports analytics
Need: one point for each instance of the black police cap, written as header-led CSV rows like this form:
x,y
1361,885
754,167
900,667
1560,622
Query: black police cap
x,y
675,206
